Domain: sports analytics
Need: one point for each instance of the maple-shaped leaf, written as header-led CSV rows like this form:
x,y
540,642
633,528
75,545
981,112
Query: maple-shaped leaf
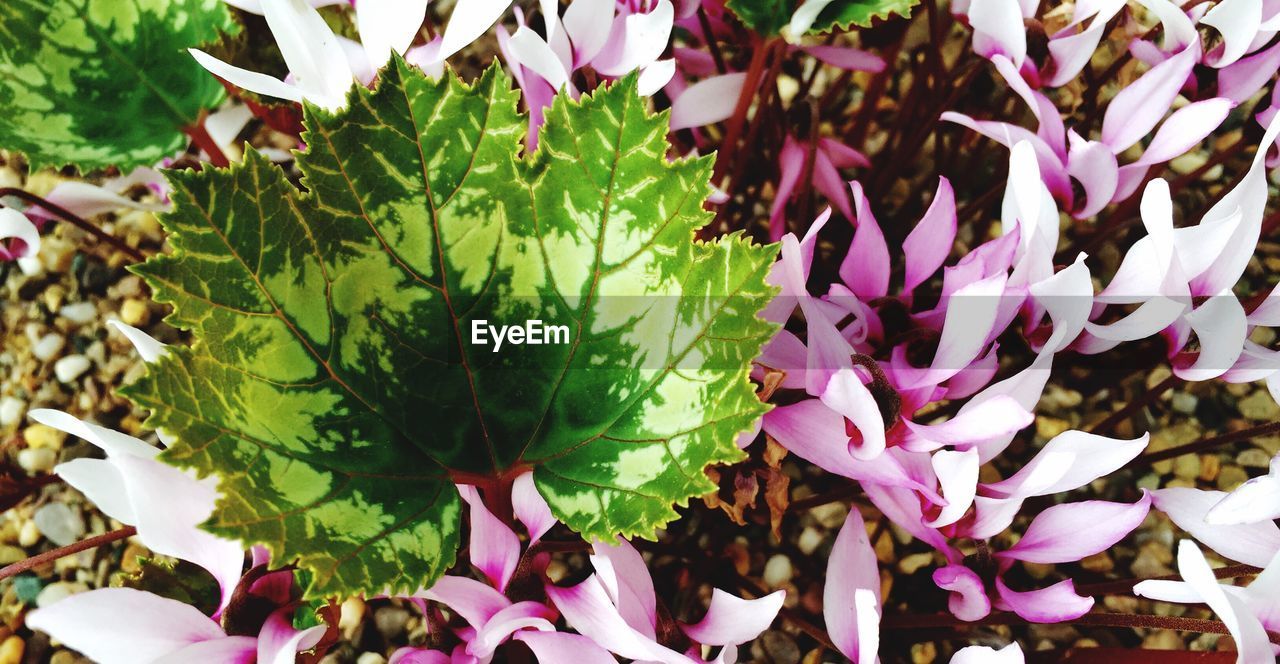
x,y
338,386
98,83
769,17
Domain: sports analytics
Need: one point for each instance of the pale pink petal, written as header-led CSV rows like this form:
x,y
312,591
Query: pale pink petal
x,y
625,577
14,224
865,269
655,75
148,348
930,242
226,650
1268,312
556,647
902,507
968,599
646,37
1077,458
848,396
827,180
588,23
89,200
1069,532
1245,77
958,476
816,434
851,567
1010,654
971,314
844,57
1185,128
732,620
245,79
280,643
805,15
707,102
1137,108
170,506
410,655
1067,296
102,484
791,161
1221,328
533,53
530,507
997,29
310,49
1094,166
1252,642
518,616
1256,500
123,625
994,417
1252,544
471,599
469,20
388,26
1057,603
495,549
1237,23
589,610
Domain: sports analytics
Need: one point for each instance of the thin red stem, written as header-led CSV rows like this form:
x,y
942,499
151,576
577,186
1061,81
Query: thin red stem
x,y
200,136
62,552
73,219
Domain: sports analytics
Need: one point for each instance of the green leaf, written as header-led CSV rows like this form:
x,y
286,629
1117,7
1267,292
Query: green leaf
x,y
769,17
98,83
335,386
847,14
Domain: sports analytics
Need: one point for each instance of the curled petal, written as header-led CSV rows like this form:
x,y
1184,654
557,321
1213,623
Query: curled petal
x,y
1221,329
388,26
865,269
14,224
625,577
1010,654
1185,128
707,102
731,620
470,19
1057,603
553,647
958,475
847,395
1140,105
989,419
1252,641
148,348
280,643
471,599
998,29
968,600
1075,458
530,507
1237,21
930,242
589,610
1256,500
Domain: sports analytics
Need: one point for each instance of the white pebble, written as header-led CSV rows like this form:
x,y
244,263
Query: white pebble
x,y
61,524
11,410
371,658
777,571
58,591
48,347
79,312
28,534
810,540
37,460
70,368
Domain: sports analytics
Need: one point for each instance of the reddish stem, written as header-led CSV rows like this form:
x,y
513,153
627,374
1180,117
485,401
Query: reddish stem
x,y
1204,444
200,136
62,552
73,219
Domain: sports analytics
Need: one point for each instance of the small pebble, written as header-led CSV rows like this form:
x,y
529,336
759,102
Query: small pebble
x,y
29,534
10,554
370,658
1231,477
390,621
135,312
914,562
924,653
831,515
809,541
59,590
43,437
1048,427
70,368
11,650
48,347
1259,406
37,460
1254,459
779,647
61,524
1186,467
350,614
11,410
79,312
1185,403
777,571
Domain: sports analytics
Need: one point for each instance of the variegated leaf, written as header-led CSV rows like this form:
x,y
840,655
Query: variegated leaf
x,y
337,386
98,83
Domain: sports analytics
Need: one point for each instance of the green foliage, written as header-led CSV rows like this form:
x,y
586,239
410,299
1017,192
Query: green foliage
x,y
175,579
769,17
98,83
335,386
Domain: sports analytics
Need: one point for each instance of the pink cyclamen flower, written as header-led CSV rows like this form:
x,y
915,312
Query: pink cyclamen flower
x,y
24,240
